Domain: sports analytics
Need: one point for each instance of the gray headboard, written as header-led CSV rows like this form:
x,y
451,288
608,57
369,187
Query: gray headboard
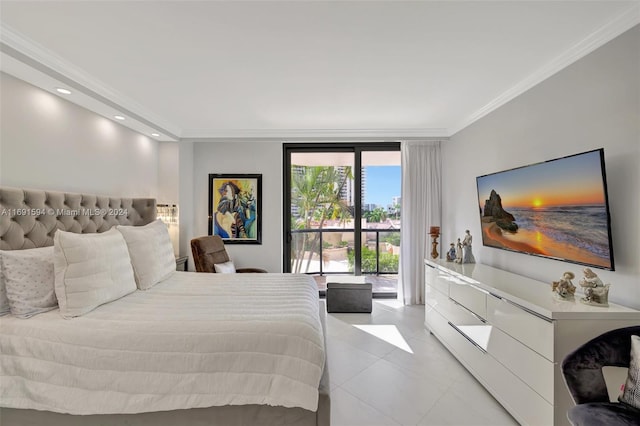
x,y
29,218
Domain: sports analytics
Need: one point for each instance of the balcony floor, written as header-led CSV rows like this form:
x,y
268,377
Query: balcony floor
x,y
379,283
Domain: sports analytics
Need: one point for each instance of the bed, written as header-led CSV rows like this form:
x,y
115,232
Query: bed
x,y
215,349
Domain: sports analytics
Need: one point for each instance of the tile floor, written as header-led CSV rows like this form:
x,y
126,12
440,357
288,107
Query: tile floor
x,y
386,369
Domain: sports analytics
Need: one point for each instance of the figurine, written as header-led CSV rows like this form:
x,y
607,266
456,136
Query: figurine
x,y
466,244
596,293
564,288
458,252
451,254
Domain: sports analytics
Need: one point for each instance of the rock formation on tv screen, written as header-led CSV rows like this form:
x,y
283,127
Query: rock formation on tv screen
x,y
493,212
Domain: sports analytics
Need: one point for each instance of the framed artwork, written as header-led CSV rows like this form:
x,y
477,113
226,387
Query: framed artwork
x,y
235,207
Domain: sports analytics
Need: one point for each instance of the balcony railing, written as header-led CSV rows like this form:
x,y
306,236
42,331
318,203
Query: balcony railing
x,y
334,254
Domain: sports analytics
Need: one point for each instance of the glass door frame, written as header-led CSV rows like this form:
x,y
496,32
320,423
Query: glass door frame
x,y
355,147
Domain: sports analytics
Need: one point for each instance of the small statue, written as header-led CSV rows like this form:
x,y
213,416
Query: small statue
x,y
451,254
596,293
466,244
458,252
564,288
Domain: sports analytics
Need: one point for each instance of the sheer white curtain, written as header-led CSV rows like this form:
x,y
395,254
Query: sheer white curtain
x,y
421,195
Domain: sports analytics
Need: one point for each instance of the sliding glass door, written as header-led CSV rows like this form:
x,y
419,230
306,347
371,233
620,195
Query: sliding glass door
x,y
342,212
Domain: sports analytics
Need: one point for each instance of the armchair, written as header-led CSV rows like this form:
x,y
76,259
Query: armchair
x,y
209,251
582,370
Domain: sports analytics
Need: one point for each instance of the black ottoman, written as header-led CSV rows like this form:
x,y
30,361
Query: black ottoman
x,y
348,295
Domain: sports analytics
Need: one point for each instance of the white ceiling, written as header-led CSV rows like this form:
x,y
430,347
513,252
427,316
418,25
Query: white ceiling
x,y
300,69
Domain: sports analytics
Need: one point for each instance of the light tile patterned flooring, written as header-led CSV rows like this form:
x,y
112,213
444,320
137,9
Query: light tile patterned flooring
x,y
413,380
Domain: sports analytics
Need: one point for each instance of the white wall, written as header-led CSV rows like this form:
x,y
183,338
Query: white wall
x,y
168,173
168,183
47,142
591,104
186,211
264,157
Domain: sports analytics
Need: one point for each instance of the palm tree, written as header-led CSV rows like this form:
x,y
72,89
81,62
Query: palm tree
x,y
316,194
396,211
376,215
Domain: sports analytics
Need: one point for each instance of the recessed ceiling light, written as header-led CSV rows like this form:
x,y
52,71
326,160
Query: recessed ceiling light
x,y
155,135
63,91
118,117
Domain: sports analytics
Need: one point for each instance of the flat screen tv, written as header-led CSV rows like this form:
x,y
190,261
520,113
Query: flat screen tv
x,y
557,209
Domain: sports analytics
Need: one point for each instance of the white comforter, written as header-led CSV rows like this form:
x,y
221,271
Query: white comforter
x,y
194,340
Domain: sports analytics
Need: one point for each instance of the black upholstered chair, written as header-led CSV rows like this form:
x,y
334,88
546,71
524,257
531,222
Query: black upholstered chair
x,y
582,371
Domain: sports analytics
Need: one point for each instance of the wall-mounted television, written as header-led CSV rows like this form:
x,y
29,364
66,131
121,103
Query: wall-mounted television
x,y
557,209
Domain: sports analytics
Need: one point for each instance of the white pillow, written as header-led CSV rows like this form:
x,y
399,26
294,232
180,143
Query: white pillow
x,y
28,278
225,268
151,252
4,301
90,270
631,393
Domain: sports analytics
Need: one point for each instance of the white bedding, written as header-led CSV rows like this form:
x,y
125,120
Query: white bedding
x,y
194,340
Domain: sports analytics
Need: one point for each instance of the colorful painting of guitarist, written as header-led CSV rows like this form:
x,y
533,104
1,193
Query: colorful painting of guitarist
x,y
234,202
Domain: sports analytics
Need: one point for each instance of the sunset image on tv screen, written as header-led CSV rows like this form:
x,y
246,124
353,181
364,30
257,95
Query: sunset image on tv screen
x,y
556,209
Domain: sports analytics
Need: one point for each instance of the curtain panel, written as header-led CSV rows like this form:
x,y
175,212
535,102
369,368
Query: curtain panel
x,y
421,208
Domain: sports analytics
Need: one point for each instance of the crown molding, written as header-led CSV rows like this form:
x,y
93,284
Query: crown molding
x,y
34,55
612,29
209,135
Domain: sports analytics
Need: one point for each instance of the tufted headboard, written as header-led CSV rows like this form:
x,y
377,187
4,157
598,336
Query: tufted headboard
x,y
29,218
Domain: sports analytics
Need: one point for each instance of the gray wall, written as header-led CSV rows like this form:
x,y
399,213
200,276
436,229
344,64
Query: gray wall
x,y
593,103
264,157
168,173
47,142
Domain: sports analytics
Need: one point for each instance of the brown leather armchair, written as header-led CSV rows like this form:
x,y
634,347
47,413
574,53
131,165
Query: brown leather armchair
x,y
208,251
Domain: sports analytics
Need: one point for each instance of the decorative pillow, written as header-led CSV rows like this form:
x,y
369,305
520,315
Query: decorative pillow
x,y
631,393
151,252
4,301
28,278
225,268
90,270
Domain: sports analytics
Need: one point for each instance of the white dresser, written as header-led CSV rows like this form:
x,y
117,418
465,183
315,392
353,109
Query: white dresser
x,y
512,334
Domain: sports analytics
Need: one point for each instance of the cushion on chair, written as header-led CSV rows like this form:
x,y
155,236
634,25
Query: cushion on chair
x,y
604,413
225,268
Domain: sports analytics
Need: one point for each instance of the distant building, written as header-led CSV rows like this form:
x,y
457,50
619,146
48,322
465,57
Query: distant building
x,y
369,207
347,192
296,171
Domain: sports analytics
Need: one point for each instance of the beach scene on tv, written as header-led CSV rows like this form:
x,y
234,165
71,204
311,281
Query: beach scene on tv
x,y
555,209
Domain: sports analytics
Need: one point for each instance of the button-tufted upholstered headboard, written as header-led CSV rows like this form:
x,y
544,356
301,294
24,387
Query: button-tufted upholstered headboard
x,y
29,218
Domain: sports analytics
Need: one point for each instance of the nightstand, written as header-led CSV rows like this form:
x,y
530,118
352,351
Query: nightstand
x,y
182,263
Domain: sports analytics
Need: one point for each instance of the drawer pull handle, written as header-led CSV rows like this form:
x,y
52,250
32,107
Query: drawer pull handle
x,y
480,348
484,321
535,314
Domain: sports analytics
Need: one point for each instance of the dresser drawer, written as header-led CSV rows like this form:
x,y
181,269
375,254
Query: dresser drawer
x,y
451,335
531,367
437,279
526,405
526,327
451,310
469,296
